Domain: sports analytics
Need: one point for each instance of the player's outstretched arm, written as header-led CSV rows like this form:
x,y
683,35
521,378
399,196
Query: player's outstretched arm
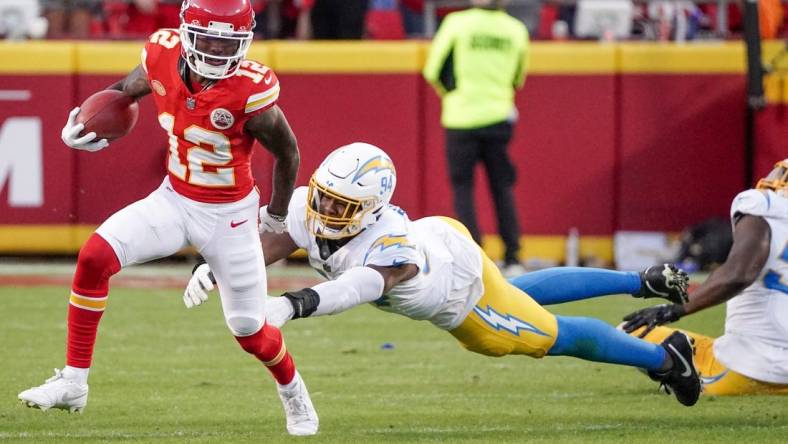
x,y
357,286
394,275
134,85
271,129
748,255
276,246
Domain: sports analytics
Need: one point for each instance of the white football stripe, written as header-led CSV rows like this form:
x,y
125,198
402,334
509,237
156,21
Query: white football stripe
x,y
255,97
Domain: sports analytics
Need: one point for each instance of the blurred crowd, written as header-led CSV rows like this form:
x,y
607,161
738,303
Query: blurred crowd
x,y
377,19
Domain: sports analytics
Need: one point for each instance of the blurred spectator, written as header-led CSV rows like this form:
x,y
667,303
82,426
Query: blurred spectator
x,y
21,19
770,14
529,13
677,20
413,16
69,18
384,21
283,19
139,18
566,13
338,19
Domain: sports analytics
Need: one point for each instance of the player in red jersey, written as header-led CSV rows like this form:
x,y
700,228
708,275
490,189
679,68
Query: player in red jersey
x,y
213,104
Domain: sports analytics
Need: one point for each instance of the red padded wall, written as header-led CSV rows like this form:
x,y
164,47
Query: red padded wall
x,y
51,98
564,152
682,139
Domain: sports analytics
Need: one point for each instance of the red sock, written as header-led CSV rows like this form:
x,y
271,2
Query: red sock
x,y
96,264
267,345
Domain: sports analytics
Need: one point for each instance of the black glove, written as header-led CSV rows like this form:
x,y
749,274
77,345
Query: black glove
x,y
652,317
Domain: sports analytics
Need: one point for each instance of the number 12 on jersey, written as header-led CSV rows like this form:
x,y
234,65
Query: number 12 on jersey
x,y
197,157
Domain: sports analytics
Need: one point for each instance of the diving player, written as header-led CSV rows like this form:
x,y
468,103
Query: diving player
x,y
430,269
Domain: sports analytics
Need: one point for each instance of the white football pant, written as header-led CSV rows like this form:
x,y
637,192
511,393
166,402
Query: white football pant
x,y
225,234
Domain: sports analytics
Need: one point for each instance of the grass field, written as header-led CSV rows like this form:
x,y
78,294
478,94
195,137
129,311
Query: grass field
x,y
165,374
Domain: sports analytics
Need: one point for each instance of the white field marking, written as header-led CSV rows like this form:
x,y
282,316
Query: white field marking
x,y
15,95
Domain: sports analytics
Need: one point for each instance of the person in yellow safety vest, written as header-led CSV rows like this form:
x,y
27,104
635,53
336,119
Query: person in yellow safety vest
x,y
476,62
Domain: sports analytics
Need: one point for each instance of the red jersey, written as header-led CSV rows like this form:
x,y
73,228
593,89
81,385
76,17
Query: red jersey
x,y
209,158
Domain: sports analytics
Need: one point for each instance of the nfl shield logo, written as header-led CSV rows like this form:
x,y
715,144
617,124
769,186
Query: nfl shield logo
x,y
190,103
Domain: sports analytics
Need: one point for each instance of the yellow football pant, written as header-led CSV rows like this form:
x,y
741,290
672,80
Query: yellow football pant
x,y
716,378
506,320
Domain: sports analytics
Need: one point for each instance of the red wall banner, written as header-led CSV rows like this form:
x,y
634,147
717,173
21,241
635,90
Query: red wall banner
x,y
628,146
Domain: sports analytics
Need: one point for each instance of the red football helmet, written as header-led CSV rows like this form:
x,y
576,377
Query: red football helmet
x,y
215,35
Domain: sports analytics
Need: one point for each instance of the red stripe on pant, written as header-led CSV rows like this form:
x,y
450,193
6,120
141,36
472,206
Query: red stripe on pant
x,y
97,262
267,346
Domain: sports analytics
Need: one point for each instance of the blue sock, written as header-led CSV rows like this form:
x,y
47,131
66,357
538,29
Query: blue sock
x,y
594,340
565,284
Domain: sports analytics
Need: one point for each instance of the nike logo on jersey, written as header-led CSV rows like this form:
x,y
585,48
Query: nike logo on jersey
x,y
268,77
234,224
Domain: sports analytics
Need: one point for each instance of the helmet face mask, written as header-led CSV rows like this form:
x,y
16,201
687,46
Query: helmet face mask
x,y
777,180
214,36
330,215
349,191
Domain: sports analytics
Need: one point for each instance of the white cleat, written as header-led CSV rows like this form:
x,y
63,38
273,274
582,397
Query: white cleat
x,y
301,415
57,392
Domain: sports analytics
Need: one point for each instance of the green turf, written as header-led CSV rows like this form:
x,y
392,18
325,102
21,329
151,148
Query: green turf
x,y
164,374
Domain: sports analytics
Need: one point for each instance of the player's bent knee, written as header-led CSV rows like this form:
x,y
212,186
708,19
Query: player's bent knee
x,y
96,262
96,253
244,325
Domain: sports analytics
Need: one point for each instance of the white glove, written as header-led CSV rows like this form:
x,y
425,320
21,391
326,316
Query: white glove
x,y
198,287
274,224
278,310
70,135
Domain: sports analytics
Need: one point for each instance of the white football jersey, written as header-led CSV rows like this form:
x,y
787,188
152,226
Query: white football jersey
x,y
449,282
755,342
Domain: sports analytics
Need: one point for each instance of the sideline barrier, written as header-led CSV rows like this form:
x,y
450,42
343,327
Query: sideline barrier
x,y
624,136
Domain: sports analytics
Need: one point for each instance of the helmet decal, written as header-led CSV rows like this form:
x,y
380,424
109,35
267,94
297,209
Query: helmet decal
x,y
377,163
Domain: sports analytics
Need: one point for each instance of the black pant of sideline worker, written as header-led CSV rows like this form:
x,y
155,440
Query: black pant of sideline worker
x,y
489,144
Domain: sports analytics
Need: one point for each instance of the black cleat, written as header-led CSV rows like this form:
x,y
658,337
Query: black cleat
x,y
682,379
664,281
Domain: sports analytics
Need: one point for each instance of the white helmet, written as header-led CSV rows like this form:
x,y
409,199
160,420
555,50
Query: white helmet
x,y
777,180
360,178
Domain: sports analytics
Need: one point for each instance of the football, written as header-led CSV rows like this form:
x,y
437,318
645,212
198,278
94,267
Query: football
x,y
108,113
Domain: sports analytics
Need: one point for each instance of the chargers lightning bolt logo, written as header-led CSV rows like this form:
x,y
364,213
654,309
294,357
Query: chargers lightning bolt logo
x,y
374,164
512,324
389,241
